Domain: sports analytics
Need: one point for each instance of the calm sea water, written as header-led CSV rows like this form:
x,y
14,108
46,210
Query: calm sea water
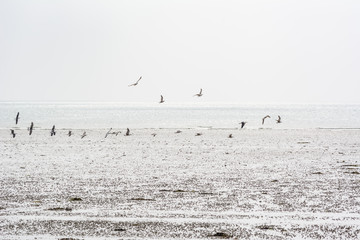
x,y
143,115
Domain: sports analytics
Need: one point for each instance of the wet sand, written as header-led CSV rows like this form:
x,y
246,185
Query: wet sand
x,y
260,184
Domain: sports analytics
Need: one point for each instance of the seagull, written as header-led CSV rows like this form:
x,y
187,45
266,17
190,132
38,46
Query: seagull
x,y
17,118
178,131
162,99
108,133
83,135
53,131
230,136
263,120
198,134
154,134
69,133
127,132
243,124
31,128
199,94
278,120
13,133
134,84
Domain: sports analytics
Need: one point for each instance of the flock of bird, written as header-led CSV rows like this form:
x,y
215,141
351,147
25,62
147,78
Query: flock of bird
x,y
53,132
161,96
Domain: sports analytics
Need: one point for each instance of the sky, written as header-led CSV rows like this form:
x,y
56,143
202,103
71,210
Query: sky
x,y
258,51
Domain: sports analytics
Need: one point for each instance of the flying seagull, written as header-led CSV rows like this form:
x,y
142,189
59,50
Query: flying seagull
x,y
108,133
127,132
134,84
83,135
161,99
278,120
17,118
243,124
199,94
31,128
263,120
53,131
13,133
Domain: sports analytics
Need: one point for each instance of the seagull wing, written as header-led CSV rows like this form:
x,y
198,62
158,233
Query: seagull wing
x,y
17,117
138,80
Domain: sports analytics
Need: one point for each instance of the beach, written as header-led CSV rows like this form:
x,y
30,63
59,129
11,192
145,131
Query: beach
x,y
179,120
259,184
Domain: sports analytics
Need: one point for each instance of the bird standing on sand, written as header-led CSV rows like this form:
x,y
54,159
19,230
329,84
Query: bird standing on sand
x,y
127,132
134,84
263,120
13,133
199,94
230,136
53,131
69,133
83,135
161,99
17,118
243,124
31,128
278,120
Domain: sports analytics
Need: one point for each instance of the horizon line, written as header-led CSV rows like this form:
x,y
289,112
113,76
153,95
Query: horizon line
x,y
176,102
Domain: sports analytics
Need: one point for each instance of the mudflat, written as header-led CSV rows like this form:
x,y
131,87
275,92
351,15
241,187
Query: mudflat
x,y
169,184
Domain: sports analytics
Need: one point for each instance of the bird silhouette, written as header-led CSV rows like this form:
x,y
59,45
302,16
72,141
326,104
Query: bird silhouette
x,y
263,120
17,118
53,131
134,84
199,94
127,132
278,120
31,128
69,133
83,135
108,133
161,99
243,124
13,133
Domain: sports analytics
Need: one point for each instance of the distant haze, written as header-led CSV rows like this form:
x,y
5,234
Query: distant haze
x,y
254,51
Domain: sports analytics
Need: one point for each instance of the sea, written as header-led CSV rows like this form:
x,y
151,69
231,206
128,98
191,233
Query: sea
x,y
100,115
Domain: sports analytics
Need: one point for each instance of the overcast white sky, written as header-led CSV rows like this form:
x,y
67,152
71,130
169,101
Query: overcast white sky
x,y
280,51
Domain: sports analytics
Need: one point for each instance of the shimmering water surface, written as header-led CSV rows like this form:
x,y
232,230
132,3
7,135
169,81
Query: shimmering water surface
x,y
154,115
